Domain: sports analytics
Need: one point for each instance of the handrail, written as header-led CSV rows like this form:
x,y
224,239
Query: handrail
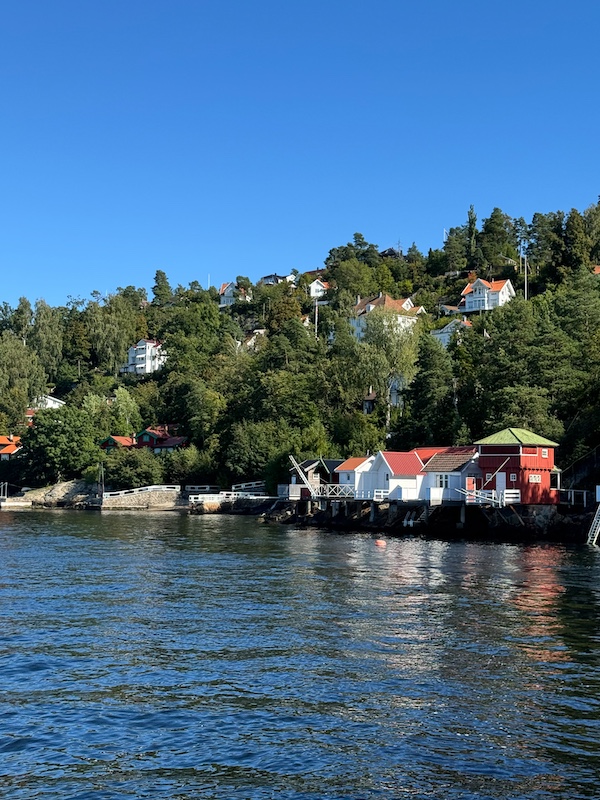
x,y
140,489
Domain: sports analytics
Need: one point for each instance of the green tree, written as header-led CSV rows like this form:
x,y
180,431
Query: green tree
x,y
60,446
22,378
130,468
162,291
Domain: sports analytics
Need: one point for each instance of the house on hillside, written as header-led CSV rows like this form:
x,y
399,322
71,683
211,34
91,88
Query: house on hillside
x,y
161,438
114,442
9,447
484,295
145,357
274,279
404,311
522,461
317,289
231,293
450,474
444,335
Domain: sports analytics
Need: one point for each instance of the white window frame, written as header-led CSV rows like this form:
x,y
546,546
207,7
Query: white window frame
x,y
544,452
442,480
513,477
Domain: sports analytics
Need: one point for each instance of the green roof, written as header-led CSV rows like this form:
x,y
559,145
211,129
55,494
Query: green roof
x,y
517,436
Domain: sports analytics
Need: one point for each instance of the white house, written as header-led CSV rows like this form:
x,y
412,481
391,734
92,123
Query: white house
x,y
398,476
450,474
317,288
405,311
230,293
145,357
484,295
443,335
274,279
46,401
352,472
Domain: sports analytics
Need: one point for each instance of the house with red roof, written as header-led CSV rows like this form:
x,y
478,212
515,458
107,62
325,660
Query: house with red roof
x,y
161,438
114,442
404,310
398,476
484,295
230,293
455,326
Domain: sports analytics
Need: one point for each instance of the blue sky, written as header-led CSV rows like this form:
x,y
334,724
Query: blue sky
x,y
245,137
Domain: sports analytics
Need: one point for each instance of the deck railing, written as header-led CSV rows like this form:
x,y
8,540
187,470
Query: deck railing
x,y
140,489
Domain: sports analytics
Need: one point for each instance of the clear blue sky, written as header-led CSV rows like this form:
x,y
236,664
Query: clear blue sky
x,y
214,139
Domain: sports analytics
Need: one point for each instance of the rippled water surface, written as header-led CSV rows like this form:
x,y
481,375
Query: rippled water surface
x,y
159,656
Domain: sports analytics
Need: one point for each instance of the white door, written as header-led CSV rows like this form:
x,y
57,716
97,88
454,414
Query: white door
x,y
500,481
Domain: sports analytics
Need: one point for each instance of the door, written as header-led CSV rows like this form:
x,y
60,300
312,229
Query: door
x,y
500,483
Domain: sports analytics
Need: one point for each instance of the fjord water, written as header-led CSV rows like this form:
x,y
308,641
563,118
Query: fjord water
x,y
166,656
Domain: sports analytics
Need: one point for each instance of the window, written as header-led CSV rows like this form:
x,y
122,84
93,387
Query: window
x,y
441,481
488,477
535,479
544,452
512,477
387,477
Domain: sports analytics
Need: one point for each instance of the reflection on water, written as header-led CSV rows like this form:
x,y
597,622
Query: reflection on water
x,y
158,655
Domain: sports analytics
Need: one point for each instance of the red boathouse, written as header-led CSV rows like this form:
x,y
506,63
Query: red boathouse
x,y
515,458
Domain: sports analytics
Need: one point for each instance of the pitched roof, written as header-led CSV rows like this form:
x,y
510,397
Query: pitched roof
x,y
224,286
451,459
10,449
517,436
6,440
493,286
350,464
425,453
124,441
385,301
403,463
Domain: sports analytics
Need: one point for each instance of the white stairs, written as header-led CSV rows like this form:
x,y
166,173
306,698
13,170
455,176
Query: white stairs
x,y
594,531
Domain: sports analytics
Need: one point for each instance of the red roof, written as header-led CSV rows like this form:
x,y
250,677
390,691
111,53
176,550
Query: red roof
x,y
224,287
351,464
494,286
384,301
425,453
403,463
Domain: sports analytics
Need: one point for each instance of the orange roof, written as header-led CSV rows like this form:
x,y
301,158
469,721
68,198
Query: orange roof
x,y
403,463
351,464
596,270
10,449
224,287
7,440
494,286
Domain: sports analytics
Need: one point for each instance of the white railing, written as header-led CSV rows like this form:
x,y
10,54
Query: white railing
x,y
222,496
510,496
374,494
334,491
202,489
255,487
140,489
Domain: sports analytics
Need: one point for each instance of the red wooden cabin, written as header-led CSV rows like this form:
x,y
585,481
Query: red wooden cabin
x,y
515,458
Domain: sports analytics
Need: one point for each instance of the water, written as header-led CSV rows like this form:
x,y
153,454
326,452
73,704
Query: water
x,y
159,656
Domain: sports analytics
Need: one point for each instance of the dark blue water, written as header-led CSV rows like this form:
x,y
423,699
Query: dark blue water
x,y
159,656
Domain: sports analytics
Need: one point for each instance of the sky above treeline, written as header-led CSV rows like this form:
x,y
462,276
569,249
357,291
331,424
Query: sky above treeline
x,y
212,139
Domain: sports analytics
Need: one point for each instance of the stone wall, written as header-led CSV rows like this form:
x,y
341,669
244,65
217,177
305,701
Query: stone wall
x,y
165,500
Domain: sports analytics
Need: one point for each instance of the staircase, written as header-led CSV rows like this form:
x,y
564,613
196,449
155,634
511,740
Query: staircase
x,y
594,531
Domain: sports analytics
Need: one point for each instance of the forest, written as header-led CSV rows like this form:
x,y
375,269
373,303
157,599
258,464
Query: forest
x,y
246,401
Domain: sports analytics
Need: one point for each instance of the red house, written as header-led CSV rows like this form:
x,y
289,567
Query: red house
x,y
519,459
